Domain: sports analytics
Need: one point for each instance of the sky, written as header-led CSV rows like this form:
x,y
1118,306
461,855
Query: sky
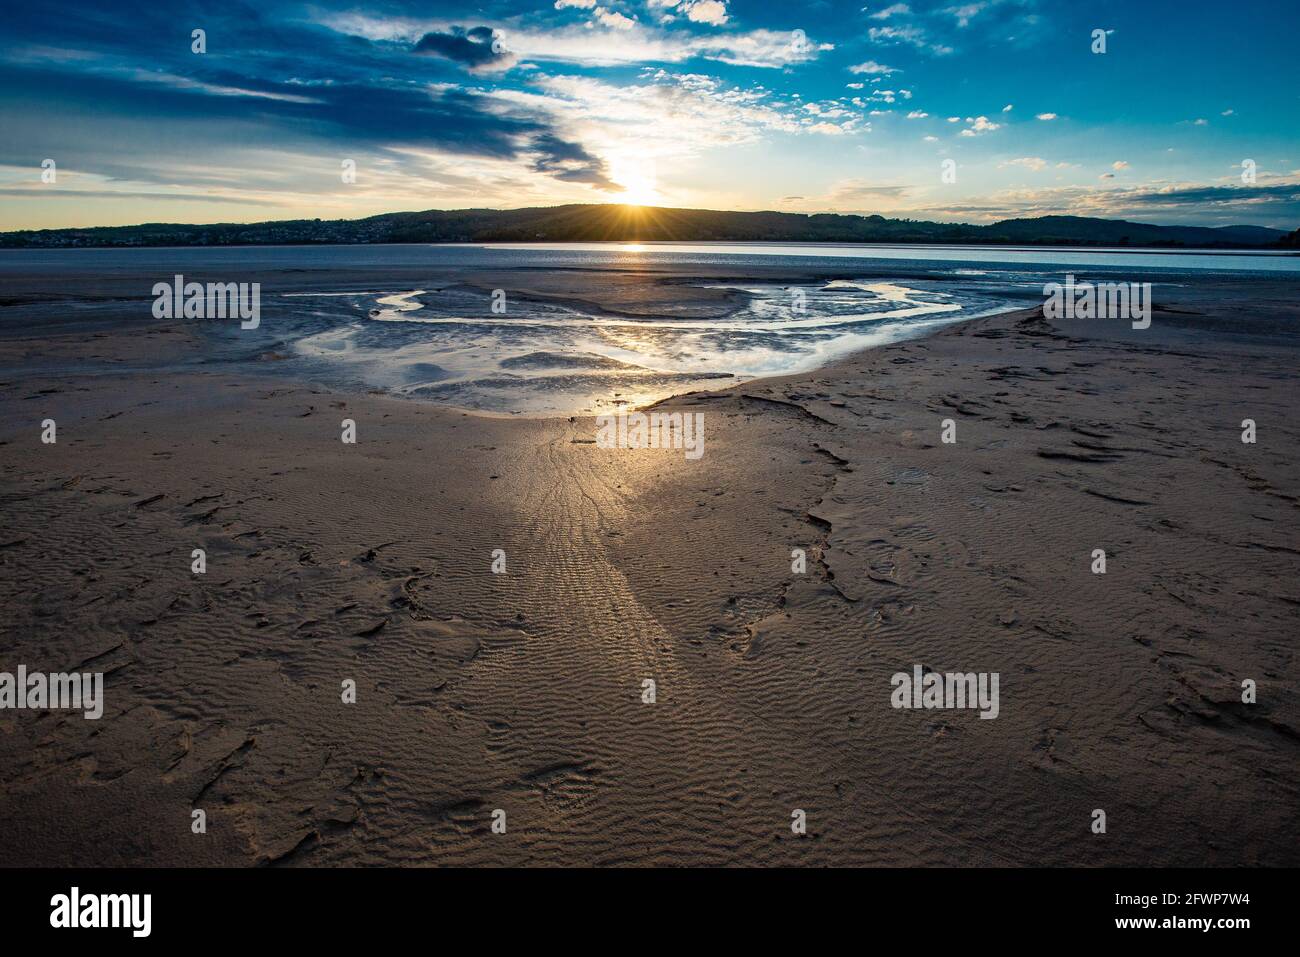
x,y
111,114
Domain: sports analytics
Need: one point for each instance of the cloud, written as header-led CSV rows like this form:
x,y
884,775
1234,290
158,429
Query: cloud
x,y
591,103
873,68
661,121
917,115
612,19
473,48
1178,203
712,12
981,124
909,35
759,48
1034,163
853,191
586,46
34,190
1008,108
964,13
569,162
1045,116
265,156
894,10
1221,196
1119,164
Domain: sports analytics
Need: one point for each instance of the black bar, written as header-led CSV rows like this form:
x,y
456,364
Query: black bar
x,y
369,906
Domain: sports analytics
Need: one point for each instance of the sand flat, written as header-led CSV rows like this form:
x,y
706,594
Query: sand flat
x,y
522,691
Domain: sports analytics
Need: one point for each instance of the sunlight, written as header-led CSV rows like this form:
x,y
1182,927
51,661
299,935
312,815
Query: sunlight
x,y
639,182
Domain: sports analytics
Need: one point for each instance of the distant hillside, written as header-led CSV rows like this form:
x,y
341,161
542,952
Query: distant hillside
x,y
615,223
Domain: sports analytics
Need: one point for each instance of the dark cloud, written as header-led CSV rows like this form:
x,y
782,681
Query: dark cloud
x,y
342,115
124,123
1218,195
45,194
570,162
471,48
136,104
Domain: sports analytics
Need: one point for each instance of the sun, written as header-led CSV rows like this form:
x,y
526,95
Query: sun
x,y
640,185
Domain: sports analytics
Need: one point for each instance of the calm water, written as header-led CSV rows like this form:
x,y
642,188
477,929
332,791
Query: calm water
x,y
412,320
904,258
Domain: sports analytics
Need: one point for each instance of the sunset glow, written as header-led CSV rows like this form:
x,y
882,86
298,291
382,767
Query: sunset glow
x,y
716,105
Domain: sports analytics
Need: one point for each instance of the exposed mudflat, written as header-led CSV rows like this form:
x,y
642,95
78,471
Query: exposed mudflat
x,y
522,691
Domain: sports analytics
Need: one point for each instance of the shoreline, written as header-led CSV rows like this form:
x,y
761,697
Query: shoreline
x,y
524,244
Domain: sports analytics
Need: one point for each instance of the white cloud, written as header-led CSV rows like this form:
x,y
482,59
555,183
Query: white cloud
x,y
981,124
578,4
917,115
888,12
1034,163
1007,108
187,83
712,12
863,194
964,13
582,45
613,19
1119,164
872,67
1045,116
760,48
911,35
665,119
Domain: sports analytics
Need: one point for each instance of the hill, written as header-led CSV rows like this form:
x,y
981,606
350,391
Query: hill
x,y
616,223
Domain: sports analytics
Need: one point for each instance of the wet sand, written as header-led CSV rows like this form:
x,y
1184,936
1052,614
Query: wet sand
x,y
522,691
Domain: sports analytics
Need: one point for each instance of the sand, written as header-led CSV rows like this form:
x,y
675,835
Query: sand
x,y
522,691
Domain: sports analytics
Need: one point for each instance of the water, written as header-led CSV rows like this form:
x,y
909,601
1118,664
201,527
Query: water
x,y
906,257
449,345
419,321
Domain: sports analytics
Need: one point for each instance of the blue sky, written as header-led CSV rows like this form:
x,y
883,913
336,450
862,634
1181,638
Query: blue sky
x,y
728,104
